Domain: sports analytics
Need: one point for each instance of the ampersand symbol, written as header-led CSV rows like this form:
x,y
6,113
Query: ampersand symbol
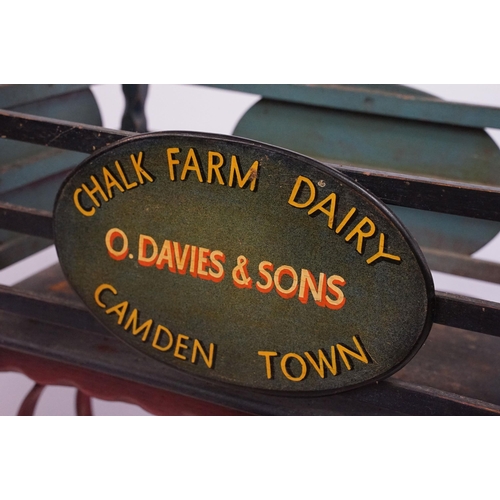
x,y
240,273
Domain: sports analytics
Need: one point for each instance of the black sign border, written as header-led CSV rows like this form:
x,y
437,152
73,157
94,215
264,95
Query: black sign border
x,y
328,171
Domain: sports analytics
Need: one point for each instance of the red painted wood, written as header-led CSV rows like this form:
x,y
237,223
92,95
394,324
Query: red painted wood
x,y
106,387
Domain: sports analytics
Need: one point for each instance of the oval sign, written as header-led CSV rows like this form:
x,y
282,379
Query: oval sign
x,y
243,263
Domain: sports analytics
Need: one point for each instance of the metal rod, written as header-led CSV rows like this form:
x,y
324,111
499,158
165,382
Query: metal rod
x,y
134,116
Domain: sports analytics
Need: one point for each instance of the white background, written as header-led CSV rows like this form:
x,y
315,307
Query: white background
x,y
197,108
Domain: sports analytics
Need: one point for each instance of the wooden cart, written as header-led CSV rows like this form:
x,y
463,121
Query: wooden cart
x,y
428,159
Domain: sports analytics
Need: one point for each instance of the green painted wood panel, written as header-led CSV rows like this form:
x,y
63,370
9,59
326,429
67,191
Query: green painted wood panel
x,y
387,143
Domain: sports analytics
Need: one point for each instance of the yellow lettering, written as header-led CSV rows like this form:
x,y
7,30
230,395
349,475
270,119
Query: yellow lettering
x,y
139,170
346,220
198,348
268,355
285,370
87,213
215,167
323,361
120,310
159,330
295,191
111,182
362,234
97,189
381,253
172,162
123,177
360,355
179,345
133,320
191,164
99,290
331,198
251,174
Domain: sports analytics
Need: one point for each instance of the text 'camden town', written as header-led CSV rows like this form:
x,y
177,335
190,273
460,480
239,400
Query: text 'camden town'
x,y
292,366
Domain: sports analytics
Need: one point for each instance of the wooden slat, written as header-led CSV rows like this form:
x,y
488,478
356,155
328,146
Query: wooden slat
x,y
15,95
106,354
57,133
450,197
453,310
411,191
26,220
462,265
467,313
65,330
20,247
377,102
42,307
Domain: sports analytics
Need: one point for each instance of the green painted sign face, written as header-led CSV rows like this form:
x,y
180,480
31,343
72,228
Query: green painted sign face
x,y
242,263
